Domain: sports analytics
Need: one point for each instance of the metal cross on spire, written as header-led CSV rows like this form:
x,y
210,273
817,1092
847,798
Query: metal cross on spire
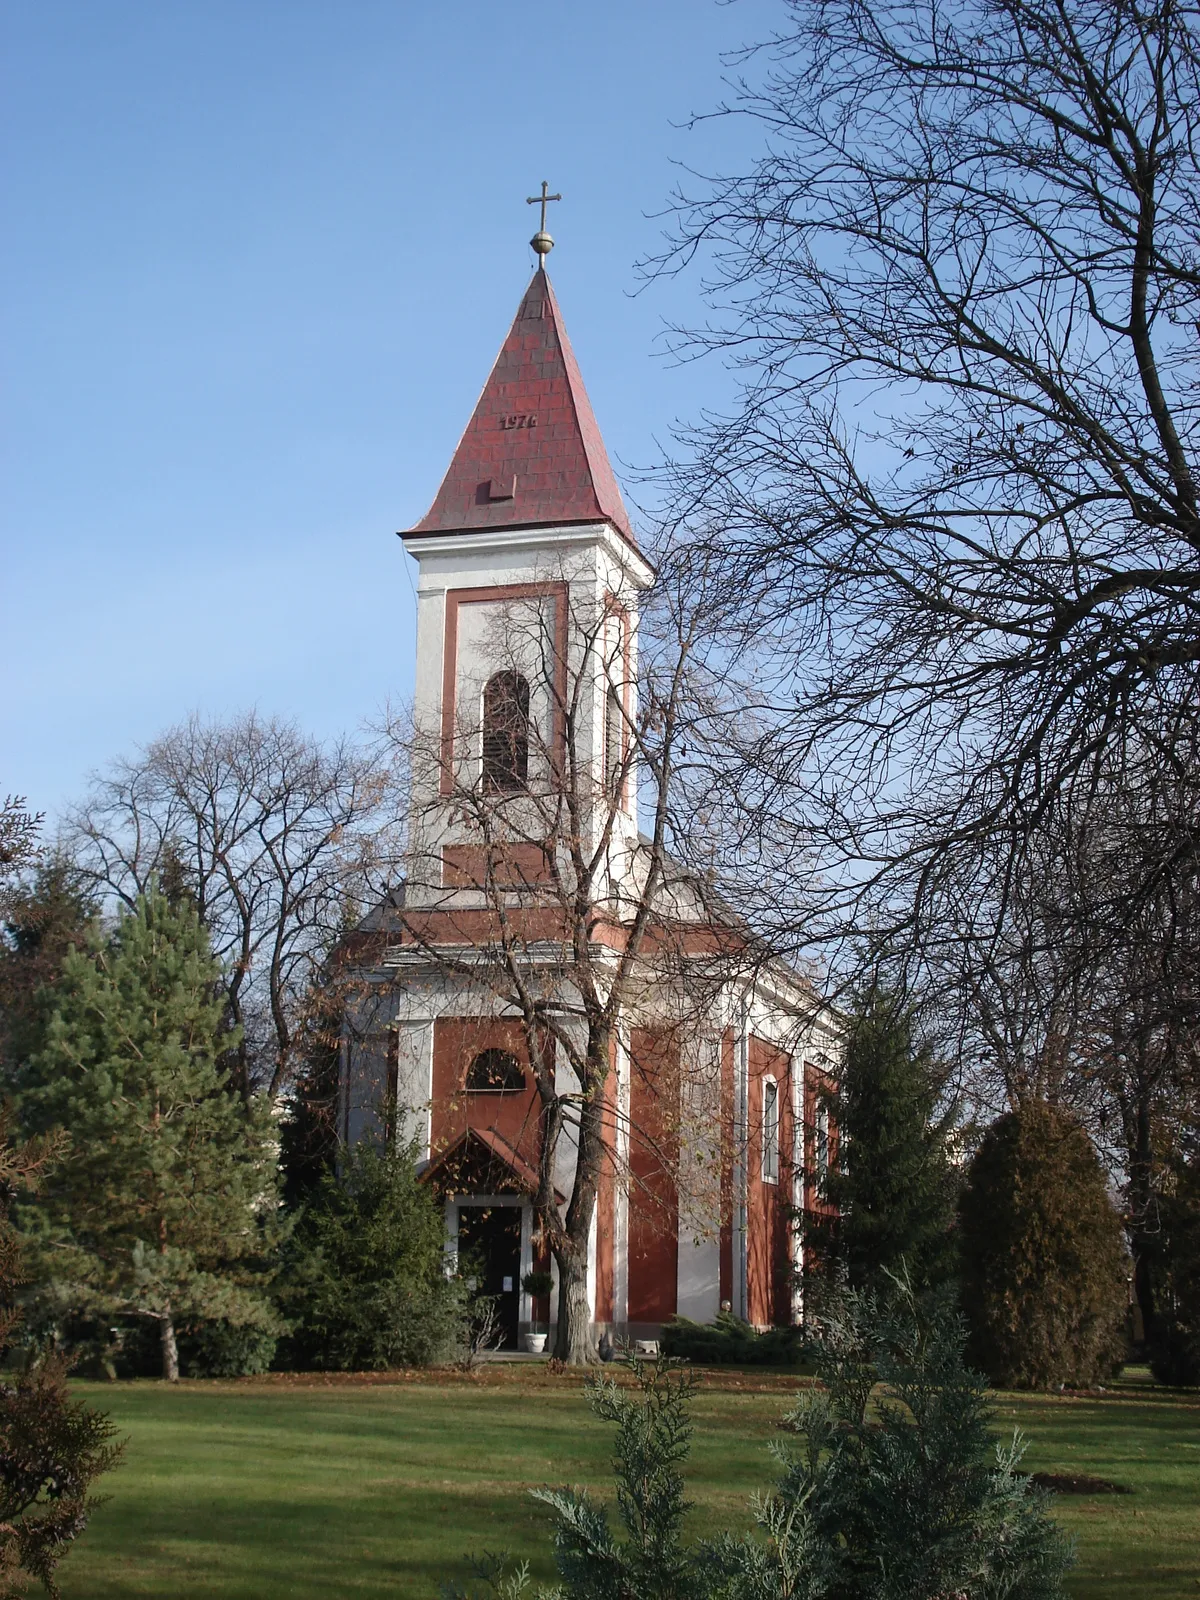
x,y
541,241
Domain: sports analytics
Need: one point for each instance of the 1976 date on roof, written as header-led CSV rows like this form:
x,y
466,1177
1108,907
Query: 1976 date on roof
x,y
519,419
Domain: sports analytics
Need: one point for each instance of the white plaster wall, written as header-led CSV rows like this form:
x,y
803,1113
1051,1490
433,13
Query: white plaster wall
x,y
361,1120
698,1281
567,1150
414,1082
698,1277
621,1186
595,563
594,558
498,635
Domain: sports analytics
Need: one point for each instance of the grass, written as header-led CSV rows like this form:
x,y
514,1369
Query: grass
x,y
1139,1435
305,1488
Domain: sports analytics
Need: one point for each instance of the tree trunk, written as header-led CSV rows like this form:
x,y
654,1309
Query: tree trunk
x,y
170,1350
573,1342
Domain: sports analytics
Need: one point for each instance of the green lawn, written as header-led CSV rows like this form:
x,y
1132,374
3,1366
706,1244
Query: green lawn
x,y
276,1488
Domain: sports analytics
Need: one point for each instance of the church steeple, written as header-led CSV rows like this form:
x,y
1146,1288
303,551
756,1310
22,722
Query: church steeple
x,y
532,455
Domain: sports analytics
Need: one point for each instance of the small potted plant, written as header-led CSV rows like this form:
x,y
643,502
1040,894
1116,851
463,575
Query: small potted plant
x,y
537,1285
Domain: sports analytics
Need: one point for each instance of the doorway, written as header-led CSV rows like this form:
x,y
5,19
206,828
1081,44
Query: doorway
x,y
489,1249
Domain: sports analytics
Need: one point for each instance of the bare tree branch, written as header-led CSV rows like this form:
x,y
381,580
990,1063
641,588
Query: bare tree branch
x,y
954,518
273,835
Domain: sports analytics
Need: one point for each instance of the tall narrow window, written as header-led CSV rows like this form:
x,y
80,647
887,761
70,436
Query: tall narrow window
x,y
614,742
770,1134
505,732
822,1143
391,1098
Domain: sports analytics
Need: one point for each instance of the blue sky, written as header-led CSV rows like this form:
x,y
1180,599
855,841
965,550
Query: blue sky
x,y
259,257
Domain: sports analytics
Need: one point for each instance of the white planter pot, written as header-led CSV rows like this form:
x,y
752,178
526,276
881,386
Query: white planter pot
x,y
535,1343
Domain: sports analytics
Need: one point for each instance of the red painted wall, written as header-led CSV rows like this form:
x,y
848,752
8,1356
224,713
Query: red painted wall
x,y
653,1188
769,1230
456,1042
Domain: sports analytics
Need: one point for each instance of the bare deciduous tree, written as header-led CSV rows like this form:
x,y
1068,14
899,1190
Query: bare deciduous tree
x,y
271,833
956,512
1085,992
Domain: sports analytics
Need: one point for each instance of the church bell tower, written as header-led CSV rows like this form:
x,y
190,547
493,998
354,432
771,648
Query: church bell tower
x,y
527,602
466,1032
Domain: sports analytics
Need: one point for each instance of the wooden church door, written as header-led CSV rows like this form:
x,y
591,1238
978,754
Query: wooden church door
x,y
489,1248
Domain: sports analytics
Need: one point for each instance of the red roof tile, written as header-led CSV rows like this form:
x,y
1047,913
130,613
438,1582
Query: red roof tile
x,y
532,453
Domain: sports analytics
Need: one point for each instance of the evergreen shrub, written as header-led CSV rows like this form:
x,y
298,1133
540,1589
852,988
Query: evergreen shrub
x,y
1044,1268
898,1494
730,1342
892,1185
364,1283
225,1350
90,1345
52,1448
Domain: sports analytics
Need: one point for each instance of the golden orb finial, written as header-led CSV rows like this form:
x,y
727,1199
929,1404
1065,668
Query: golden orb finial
x,y
541,241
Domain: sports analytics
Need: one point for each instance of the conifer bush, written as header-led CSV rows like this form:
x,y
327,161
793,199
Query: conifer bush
x,y
898,1493
52,1448
731,1341
1044,1271
364,1284
225,1350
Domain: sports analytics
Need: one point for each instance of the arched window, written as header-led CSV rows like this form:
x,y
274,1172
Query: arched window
x,y
494,1071
505,732
770,1133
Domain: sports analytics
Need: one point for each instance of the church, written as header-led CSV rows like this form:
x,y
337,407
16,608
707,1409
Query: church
x,y
574,1035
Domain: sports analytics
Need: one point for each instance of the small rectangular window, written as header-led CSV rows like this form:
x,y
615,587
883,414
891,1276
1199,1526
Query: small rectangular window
x,y
770,1147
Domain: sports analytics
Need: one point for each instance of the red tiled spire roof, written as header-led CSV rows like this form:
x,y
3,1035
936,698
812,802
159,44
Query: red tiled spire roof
x,y
532,453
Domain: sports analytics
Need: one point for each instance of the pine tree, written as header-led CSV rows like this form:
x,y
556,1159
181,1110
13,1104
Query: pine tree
x,y
892,1185
1044,1267
166,1201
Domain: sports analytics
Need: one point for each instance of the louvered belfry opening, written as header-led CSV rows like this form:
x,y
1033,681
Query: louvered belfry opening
x,y
505,733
